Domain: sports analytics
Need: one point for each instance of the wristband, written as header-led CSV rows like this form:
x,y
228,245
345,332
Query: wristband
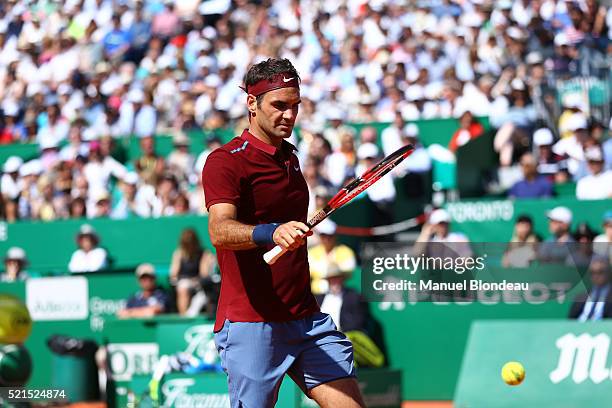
x,y
263,233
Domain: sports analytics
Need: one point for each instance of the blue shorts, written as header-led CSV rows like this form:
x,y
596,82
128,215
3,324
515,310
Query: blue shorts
x,y
257,355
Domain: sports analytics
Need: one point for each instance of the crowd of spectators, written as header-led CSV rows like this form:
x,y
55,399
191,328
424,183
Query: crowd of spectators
x,y
77,75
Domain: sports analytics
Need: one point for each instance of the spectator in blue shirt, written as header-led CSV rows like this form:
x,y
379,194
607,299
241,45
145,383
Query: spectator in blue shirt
x,y
533,185
140,34
150,300
117,41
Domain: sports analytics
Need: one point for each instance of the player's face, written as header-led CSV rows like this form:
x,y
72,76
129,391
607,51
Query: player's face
x,y
278,111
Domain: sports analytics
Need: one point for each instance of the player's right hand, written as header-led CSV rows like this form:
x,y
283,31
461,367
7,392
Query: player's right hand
x,y
291,235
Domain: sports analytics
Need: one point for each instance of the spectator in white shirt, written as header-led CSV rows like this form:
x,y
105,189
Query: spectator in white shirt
x,y
76,146
132,202
56,127
391,137
419,160
598,184
10,185
212,142
382,193
89,257
572,147
602,244
137,116
340,165
436,232
102,166
180,161
437,229
15,263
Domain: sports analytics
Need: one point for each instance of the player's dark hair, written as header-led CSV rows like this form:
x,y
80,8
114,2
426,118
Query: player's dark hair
x,y
267,70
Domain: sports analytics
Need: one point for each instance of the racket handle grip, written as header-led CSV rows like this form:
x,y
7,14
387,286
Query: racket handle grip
x,y
272,255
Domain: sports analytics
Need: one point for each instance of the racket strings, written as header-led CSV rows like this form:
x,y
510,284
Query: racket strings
x,y
366,182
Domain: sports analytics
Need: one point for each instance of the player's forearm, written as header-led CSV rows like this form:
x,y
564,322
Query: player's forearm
x,y
231,234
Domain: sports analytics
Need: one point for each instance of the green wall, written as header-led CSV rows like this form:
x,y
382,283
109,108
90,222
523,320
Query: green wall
x,y
129,242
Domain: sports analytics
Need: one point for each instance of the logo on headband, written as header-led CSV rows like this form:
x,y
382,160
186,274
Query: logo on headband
x,y
276,82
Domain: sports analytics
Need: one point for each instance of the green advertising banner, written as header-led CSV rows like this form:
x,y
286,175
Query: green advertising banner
x,y
567,365
493,220
75,306
381,388
426,340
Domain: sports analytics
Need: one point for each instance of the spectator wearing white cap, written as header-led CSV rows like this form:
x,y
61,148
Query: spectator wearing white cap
x,y
10,184
419,160
548,162
437,229
382,193
29,173
335,118
572,103
436,239
151,300
49,155
133,202
572,147
89,257
598,184
15,264
555,248
327,254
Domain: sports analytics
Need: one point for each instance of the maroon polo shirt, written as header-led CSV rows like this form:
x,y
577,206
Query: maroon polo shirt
x,y
266,185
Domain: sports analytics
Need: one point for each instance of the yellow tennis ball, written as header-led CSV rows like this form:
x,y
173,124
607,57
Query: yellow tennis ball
x,y
513,373
15,321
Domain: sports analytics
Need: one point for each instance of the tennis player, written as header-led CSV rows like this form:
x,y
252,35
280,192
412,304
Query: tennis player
x,y
268,323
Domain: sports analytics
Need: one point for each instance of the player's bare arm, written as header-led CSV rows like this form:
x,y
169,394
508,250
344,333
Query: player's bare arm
x,y
228,233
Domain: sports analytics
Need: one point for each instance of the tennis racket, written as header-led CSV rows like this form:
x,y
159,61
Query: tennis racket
x,y
348,192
